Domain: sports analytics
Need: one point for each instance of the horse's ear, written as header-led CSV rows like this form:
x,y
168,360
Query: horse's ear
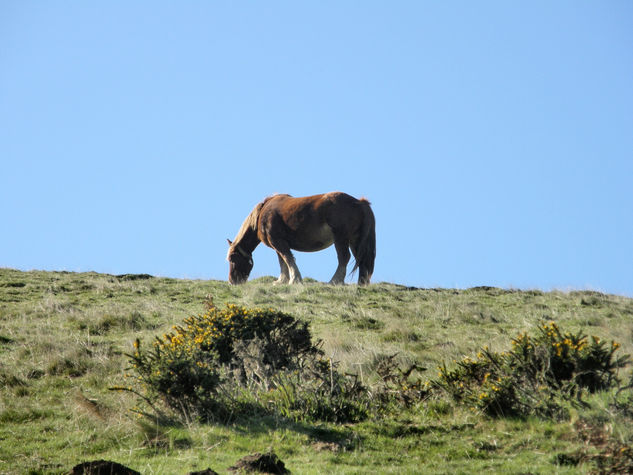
x,y
229,241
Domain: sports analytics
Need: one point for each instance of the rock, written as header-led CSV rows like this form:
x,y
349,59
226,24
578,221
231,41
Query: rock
x,y
102,467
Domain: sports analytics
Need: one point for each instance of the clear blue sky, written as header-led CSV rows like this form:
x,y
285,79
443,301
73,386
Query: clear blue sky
x,y
494,138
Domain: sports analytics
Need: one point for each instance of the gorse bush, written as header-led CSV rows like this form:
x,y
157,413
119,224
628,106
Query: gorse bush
x,y
537,376
285,339
231,361
558,358
184,377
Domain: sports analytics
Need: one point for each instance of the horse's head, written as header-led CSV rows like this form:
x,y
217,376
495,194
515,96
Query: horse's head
x,y
240,264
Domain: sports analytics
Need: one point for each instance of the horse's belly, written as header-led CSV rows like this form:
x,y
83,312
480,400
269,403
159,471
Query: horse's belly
x,y
316,240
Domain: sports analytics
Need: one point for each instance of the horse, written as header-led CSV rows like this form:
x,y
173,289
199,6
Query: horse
x,y
310,223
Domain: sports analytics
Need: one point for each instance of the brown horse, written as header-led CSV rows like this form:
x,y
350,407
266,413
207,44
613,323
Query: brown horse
x,y
311,223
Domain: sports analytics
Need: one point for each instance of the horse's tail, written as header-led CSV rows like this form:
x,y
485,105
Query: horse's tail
x,y
365,245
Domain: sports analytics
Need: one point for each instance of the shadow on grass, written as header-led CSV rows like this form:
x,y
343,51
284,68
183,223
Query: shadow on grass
x,y
342,436
260,422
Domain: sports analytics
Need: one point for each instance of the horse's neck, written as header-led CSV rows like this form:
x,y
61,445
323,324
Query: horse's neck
x,y
248,240
246,237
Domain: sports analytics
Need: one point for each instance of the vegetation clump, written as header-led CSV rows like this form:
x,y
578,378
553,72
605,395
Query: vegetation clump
x,y
232,361
537,376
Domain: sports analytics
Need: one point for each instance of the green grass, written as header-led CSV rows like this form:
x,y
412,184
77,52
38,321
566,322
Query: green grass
x,y
63,339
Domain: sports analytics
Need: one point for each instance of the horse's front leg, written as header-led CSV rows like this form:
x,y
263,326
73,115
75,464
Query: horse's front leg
x,y
285,255
284,277
293,270
342,252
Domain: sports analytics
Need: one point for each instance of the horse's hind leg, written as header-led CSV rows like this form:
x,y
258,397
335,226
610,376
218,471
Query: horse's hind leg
x,y
284,277
364,276
364,273
342,251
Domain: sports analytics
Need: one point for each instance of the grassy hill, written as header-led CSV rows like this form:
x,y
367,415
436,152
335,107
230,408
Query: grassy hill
x,y
64,336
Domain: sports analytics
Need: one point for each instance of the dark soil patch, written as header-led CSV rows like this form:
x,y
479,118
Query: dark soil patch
x,y
263,463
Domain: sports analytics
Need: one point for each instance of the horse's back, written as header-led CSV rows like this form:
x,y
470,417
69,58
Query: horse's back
x,y
322,206
338,198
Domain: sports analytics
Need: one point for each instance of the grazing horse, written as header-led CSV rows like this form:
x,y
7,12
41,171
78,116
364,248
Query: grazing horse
x,y
311,223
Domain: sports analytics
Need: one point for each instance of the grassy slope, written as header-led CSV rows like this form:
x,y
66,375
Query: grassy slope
x,y
63,337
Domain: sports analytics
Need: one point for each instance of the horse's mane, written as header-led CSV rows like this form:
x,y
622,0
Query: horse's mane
x,y
249,224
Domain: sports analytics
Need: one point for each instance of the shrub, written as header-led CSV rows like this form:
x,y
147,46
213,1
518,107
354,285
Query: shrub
x,y
237,360
402,387
321,393
285,340
184,377
536,376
